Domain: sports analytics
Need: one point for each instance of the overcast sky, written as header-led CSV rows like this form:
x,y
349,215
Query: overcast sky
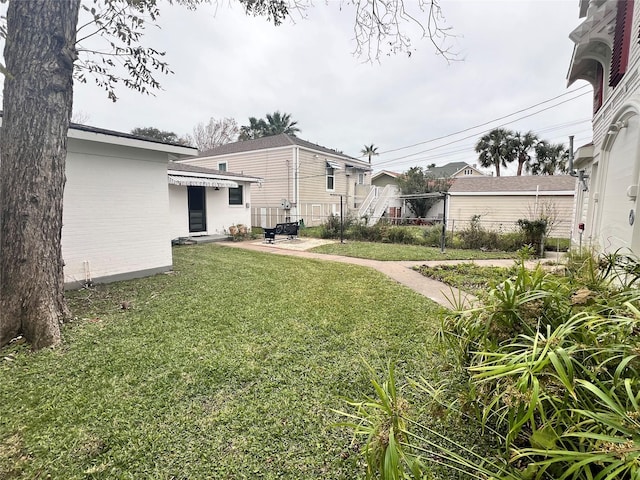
x,y
513,54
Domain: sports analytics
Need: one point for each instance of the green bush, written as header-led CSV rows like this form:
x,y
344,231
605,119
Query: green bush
x,y
534,233
357,230
555,244
332,227
476,237
432,236
402,235
311,232
510,242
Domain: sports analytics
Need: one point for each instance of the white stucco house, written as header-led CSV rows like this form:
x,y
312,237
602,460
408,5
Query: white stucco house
x,y
204,201
116,206
607,55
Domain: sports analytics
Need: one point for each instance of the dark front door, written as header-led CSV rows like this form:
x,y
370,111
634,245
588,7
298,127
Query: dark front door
x,y
197,210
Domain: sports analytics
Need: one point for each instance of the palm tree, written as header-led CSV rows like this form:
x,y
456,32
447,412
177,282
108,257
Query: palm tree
x,y
370,151
275,124
550,158
278,123
521,146
495,149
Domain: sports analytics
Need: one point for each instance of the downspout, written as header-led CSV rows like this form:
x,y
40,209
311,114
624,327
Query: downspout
x,y
296,183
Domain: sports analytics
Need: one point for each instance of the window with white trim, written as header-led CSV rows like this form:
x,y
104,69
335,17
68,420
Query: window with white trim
x,y
331,178
222,166
361,178
235,196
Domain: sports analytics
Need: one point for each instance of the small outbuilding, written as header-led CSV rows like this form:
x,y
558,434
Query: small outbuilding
x,y
499,202
116,206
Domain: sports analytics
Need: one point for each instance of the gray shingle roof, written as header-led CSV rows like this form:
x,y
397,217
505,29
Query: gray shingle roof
x,y
114,133
184,167
525,183
273,141
447,170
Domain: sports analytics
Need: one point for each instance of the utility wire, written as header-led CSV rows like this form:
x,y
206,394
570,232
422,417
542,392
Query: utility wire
x,y
489,122
392,160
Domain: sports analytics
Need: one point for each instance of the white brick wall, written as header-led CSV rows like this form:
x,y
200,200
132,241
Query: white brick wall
x,y
116,211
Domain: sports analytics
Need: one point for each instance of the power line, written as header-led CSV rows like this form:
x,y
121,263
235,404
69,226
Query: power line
x,y
489,122
385,162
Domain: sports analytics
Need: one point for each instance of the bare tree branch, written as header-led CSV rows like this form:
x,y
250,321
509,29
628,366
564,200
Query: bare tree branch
x,y
214,133
383,27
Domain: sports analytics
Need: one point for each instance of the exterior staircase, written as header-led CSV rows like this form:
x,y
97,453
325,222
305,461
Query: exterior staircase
x,y
375,204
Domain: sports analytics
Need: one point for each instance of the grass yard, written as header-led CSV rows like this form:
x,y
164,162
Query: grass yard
x,y
399,252
228,368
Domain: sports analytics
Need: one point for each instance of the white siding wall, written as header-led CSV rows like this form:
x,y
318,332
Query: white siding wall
x,y
116,208
620,164
502,212
275,166
316,202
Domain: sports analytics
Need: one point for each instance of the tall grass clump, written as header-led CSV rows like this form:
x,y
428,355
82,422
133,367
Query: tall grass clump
x,y
553,364
552,370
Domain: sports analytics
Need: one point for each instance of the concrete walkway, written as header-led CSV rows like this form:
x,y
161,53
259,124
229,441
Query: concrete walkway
x,y
401,272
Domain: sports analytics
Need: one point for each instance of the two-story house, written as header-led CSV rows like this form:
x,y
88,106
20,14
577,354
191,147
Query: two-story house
x,y
302,180
607,55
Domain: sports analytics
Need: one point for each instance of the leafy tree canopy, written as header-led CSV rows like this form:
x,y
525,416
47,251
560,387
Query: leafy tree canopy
x,y
418,180
153,133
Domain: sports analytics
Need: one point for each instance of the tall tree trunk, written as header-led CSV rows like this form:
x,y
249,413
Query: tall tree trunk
x,y
38,95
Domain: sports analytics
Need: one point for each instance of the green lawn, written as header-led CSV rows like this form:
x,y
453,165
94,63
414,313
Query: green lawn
x,y
398,252
228,368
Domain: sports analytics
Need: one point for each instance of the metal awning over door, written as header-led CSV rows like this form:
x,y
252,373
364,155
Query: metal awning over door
x,y
201,182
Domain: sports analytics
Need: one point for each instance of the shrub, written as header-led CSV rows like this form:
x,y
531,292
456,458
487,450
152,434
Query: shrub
x,y
402,235
510,242
331,228
476,237
534,233
239,232
555,244
432,236
553,369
